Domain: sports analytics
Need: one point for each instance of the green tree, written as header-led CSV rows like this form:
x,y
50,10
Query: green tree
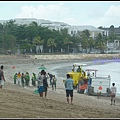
x,y
100,43
51,43
37,41
32,31
85,37
91,43
9,42
112,35
67,42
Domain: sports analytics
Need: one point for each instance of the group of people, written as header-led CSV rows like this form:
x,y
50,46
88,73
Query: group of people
x,y
43,84
23,79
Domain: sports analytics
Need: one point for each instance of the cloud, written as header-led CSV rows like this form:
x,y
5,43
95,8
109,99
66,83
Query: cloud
x,y
113,11
59,12
109,17
51,12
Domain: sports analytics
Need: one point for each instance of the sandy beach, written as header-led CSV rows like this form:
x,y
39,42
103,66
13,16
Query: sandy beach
x,y
19,102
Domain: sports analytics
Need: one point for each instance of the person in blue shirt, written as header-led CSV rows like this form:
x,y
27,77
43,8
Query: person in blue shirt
x,y
69,88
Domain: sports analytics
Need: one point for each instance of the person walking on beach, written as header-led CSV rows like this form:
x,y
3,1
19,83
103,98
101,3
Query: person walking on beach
x,y
54,79
113,93
69,88
2,78
50,76
45,84
40,85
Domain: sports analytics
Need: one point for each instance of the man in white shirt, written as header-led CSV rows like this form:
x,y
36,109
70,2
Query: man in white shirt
x,y
113,93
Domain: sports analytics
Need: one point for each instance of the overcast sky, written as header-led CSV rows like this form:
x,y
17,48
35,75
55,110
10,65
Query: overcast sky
x,y
98,13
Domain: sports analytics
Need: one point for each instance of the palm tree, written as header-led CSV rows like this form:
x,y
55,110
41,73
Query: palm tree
x,y
100,42
67,41
85,39
37,42
91,43
51,43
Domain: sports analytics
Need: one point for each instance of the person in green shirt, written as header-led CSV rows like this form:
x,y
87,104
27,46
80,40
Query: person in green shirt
x,y
34,79
15,78
27,79
23,80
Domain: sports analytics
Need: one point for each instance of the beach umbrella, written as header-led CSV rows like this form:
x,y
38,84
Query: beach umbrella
x,y
42,68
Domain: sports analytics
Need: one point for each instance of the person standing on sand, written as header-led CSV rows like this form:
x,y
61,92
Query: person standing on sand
x,y
45,84
113,93
2,80
54,79
33,79
40,85
27,79
69,88
19,77
23,80
15,78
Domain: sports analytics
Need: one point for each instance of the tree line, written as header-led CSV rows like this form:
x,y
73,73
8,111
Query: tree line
x,y
28,37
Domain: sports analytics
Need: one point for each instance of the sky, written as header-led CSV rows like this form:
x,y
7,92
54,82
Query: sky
x,y
95,13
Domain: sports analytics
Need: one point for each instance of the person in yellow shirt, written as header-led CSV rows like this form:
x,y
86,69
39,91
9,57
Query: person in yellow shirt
x,y
19,77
